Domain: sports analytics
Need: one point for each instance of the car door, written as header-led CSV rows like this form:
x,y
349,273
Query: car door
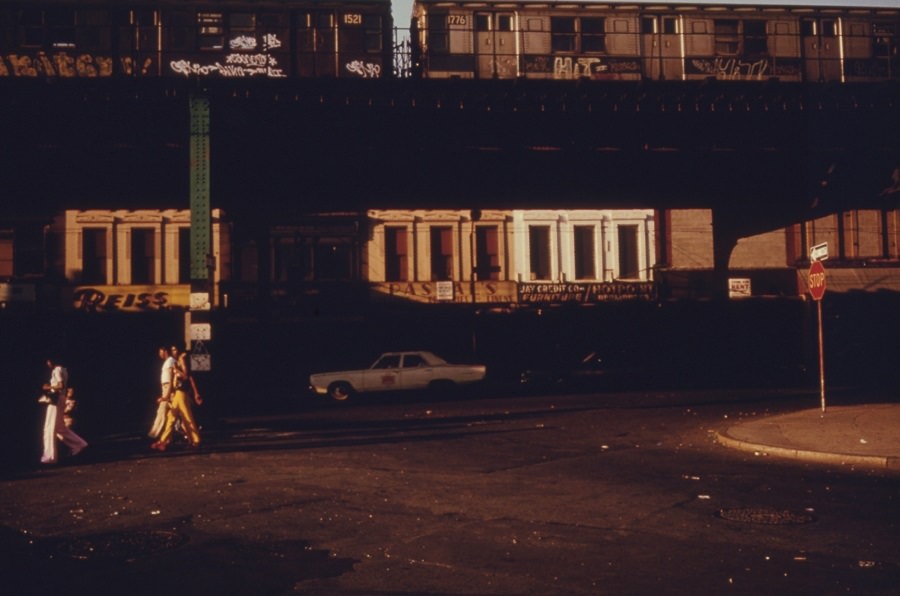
x,y
384,374
416,373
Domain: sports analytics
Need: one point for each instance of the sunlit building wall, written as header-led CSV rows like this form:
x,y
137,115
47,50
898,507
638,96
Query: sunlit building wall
x,y
133,259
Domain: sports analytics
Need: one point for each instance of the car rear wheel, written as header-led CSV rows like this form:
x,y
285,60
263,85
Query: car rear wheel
x,y
339,390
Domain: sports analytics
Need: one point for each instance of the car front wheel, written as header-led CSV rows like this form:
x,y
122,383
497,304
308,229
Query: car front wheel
x,y
339,390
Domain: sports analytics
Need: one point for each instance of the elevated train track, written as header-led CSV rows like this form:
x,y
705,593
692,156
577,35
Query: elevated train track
x,y
324,144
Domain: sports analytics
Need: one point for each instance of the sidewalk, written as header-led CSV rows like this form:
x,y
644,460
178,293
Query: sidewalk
x,y
860,435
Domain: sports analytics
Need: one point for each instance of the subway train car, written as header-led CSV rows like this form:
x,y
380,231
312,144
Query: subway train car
x,y
559,40
196,38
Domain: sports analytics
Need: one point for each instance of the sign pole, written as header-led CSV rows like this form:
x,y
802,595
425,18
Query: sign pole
x,y
816,282
821,359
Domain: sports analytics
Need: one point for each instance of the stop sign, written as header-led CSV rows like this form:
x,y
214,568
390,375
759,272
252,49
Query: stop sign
x,y
816,280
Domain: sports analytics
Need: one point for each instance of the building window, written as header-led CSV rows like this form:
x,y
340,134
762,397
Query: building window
x,y
441,253
629,264
184,255
487,252
142,256
396,254
288,259
584,253
6,253
93,256
539,251
332,260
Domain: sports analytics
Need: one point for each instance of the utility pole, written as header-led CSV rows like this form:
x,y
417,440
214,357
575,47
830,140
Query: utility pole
x,y
197,319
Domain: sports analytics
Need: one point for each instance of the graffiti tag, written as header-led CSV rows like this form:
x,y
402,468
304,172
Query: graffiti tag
x,y
366,70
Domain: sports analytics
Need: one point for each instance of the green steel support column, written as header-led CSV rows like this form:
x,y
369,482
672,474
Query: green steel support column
x,y
201,252
197,321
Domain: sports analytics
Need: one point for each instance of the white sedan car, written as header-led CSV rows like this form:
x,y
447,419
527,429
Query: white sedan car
x,y
397,370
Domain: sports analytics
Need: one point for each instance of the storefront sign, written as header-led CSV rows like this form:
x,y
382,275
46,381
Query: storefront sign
x,y
586,293
739,287
130,298
494,292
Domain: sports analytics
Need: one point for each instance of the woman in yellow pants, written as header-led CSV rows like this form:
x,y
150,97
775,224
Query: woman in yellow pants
x,y
180,408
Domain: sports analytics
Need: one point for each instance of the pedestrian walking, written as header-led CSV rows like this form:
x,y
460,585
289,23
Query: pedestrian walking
x,y
180,407
54,399
163,401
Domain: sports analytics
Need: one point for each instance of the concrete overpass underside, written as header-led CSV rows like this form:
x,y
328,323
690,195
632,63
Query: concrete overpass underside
x,y
761,155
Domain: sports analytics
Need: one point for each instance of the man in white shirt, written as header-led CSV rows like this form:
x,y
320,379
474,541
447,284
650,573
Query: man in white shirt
x,y
166,382
54,426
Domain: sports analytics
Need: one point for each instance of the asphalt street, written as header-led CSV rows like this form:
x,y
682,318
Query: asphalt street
x,y
624,494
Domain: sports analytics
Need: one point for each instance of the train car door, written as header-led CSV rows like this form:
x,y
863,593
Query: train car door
x,y
495,46
316,44
661,47
821,49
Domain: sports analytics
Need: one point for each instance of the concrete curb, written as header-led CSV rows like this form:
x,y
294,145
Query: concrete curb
x,y
843,459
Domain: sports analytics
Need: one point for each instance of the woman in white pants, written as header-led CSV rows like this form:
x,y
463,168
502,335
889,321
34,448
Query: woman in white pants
x,y
54,426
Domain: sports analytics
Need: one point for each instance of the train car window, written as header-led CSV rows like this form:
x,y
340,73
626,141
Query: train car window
x,y
242,21
211,30
146,24
648,25
482,22
372,26
242,32
808,28
60,27
324,20
94,30
829,28
670,26
7,29
562,34
179,30
885,41
727,41
31,28
438,34
593,34
756,42
504,22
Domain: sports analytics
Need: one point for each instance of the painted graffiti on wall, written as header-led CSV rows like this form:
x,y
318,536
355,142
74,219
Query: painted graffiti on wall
x,y
497,292
236,66
732,69
58,64
241,63
366,70
567,67
579,67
